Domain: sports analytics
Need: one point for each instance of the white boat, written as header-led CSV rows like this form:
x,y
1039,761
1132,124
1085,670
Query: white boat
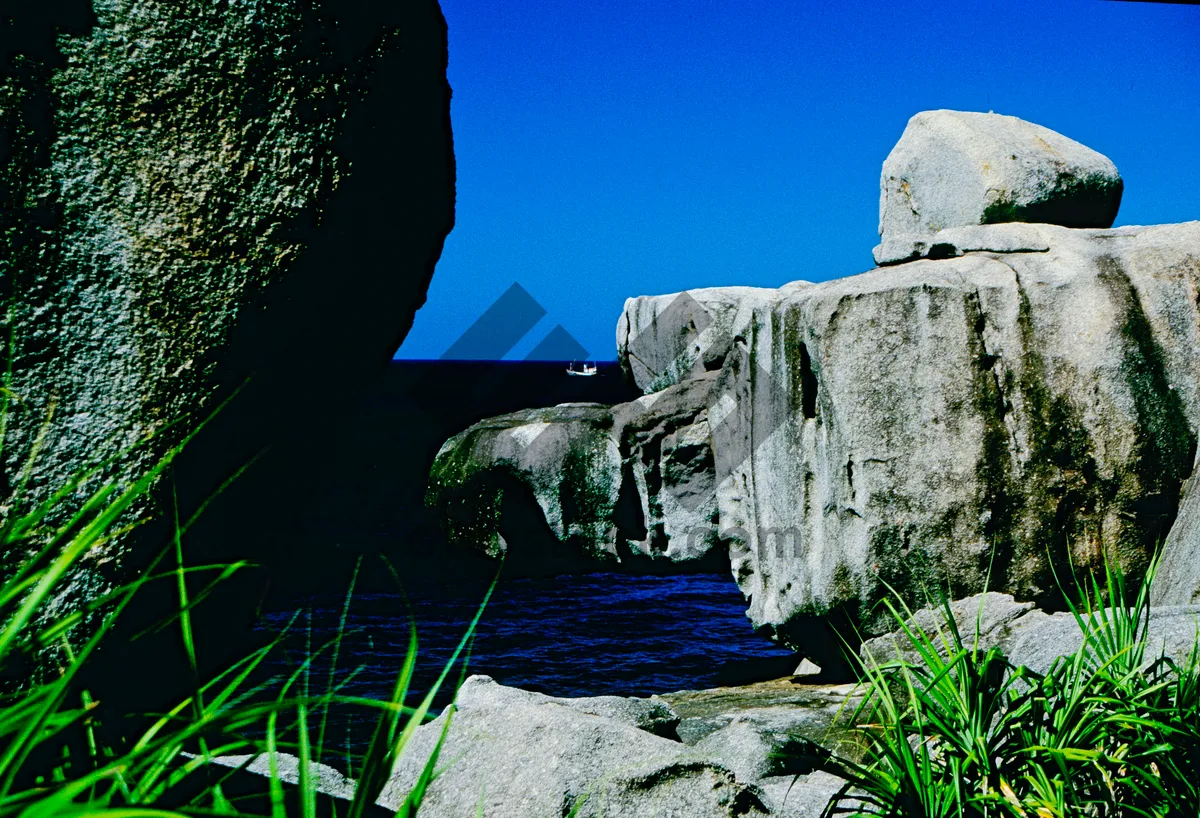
x,y
587,370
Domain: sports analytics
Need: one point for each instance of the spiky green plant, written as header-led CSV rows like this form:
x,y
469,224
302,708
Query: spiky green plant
x,y
961,731
155,772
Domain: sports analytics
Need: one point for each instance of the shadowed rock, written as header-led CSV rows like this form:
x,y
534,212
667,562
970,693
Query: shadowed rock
x,y
201,199
583,485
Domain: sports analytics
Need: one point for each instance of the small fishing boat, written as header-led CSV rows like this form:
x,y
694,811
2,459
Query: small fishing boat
x,y
587,371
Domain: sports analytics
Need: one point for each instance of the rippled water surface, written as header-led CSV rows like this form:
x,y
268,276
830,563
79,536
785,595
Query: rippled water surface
x,y
567,636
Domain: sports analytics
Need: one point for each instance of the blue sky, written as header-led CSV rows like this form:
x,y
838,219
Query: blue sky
x,y
621,147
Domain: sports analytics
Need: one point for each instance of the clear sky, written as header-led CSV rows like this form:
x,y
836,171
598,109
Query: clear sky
x,y
611,148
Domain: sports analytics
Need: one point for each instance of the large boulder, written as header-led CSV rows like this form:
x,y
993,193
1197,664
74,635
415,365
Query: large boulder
x,y
583,485
1023,399
956,168
521,754
926,425
201,198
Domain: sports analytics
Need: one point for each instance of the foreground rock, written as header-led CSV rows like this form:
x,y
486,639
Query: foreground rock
x,y
1031,637
184,177
956,168
746,751
521,754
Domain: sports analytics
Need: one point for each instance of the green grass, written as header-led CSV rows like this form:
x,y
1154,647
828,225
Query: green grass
x,y
962,731
53,760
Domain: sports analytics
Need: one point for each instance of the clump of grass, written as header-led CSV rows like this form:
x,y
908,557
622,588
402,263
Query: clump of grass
x,y
164,769
961,731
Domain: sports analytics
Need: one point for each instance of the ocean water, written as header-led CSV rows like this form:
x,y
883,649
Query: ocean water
x,y
589,635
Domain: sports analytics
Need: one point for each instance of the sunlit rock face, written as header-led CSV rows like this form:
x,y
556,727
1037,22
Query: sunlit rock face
x,y
933,424
201,198
960,168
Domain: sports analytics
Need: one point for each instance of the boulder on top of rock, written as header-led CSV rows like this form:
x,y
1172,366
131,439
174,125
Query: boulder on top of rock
x,y
958,168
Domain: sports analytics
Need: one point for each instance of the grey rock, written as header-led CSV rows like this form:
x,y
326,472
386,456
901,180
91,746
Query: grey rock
x,y
1178,578
919,425
665,339
782,712
601,484
327,780
1030,637
653,714
802,796
523,756
957,241
205,171
956,168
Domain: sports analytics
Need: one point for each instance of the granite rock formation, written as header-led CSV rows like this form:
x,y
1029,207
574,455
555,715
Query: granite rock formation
x,y
630,484
957,168
1016,399
524,754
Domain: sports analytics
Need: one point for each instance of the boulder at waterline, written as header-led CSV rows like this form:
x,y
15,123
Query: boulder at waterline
x,y
925,423
579,486
521,754
959,168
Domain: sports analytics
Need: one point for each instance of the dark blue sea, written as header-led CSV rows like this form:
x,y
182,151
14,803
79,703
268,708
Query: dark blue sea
x,y
566,636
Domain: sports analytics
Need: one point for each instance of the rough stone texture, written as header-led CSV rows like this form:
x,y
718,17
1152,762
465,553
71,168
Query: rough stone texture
x,y
665,339
804,796
1178,578
921,423
199,193
526,755
579,483
956,168
531,754
1032,637
781,711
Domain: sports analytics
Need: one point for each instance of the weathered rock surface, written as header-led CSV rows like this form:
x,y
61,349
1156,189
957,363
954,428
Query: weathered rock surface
x,y
1178,578
920,424
1031,637
583,482
522,754
956,168
665,339
196,194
